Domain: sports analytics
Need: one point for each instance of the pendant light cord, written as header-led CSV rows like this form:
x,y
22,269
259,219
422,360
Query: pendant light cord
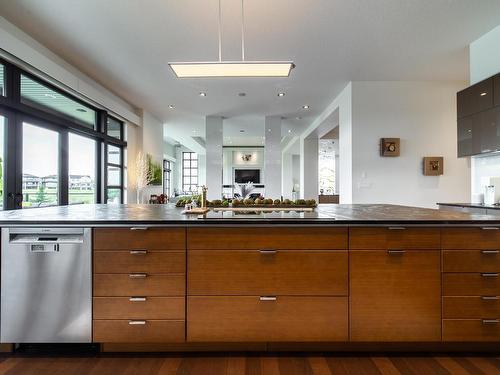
x,y
220,33
242,31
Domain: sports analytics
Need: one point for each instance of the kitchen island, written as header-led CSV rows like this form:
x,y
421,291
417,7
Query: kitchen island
x,y
342,275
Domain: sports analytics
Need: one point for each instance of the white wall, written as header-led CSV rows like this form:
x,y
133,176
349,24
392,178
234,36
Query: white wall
x,y
484,54
309,173
423,115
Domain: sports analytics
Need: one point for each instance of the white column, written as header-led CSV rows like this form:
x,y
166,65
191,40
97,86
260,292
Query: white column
x,y
272,157
287,176
213,144
309,154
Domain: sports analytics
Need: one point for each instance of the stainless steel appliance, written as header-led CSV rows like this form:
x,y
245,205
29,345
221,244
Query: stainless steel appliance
x,y
46,285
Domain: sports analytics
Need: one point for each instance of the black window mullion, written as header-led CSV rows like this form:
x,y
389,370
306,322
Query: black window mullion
x,y
63,167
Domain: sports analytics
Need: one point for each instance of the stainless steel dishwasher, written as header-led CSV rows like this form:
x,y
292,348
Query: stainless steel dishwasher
x,y
46,285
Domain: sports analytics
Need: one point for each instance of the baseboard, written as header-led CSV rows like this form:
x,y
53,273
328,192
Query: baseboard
x,y
392,347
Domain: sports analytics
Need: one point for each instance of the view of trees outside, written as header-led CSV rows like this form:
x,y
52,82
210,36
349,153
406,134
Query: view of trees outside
x,y
326,166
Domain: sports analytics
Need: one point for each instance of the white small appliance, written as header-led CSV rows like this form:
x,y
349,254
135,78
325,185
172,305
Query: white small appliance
x,y
489,194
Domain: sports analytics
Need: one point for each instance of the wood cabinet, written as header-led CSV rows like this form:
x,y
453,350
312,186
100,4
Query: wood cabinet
x,y
394,238
267,284
268,238
471,284
281,272
263,318
139,285
395,296
296,284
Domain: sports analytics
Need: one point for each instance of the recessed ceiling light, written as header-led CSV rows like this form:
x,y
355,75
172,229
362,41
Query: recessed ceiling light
x,y
305,106
203,94
269,130
171,106
281,94
81,110
242,94
289,130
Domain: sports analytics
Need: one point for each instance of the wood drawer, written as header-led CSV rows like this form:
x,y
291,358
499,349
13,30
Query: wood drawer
x,y
397,238
116,285
139,308
311,238
163,331
142,239
249,319
395,297
471,307
250,272
471,261
470,330
471,238
470,284
139,261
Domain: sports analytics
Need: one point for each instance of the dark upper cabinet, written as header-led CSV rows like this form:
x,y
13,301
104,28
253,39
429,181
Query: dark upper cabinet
x,y
490,131
476,98
478,113
496,90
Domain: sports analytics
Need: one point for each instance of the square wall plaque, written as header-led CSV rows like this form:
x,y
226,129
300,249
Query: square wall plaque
x,y
433,165
389,146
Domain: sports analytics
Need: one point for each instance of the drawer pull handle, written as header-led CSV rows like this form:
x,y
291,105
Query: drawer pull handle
x,y
489,274
397,228
138,252
489,252
267,298
490,298
489,228
137,299
138,275
396,252
491,321
137,322
267,251
139,228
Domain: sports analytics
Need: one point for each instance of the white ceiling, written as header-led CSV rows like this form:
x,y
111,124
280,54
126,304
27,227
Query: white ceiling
x,y
126,44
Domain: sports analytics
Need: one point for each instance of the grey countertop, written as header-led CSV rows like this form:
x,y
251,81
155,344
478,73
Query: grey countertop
x,y
473,205
332,214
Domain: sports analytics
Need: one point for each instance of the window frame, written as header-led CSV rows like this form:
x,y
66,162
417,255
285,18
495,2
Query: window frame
x,y
190,159
167,181
18,112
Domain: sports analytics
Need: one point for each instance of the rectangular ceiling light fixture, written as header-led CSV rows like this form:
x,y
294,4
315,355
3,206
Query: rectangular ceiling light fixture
x,y
232,69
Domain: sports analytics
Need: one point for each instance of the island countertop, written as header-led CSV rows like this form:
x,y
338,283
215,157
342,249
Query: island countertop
x,y
97,215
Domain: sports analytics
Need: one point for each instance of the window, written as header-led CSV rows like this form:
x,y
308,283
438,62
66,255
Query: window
x,y
189,172
167,173
2,160
40,175
326,167
82,171
114,128
114,168
42,97
61,149
2,81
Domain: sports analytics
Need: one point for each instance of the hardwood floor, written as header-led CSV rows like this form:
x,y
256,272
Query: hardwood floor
x,y
280,364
